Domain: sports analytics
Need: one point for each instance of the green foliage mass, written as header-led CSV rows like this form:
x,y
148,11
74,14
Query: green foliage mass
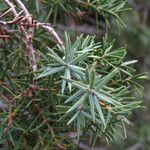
x,y
85,87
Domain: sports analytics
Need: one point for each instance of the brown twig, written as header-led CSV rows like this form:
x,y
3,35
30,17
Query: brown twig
x,y
52,32
4,36
10,5
27,38
4,14
27,21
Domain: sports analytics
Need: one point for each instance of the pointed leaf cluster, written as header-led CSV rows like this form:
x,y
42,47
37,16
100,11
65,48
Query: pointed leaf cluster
x,y
69,64
100,90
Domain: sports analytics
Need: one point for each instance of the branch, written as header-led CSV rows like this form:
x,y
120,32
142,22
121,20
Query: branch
x,y
52,32
28,39
45,26
4,14
10,5
27,21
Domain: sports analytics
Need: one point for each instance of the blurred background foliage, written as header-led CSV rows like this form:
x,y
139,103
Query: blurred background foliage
x,y
136,35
